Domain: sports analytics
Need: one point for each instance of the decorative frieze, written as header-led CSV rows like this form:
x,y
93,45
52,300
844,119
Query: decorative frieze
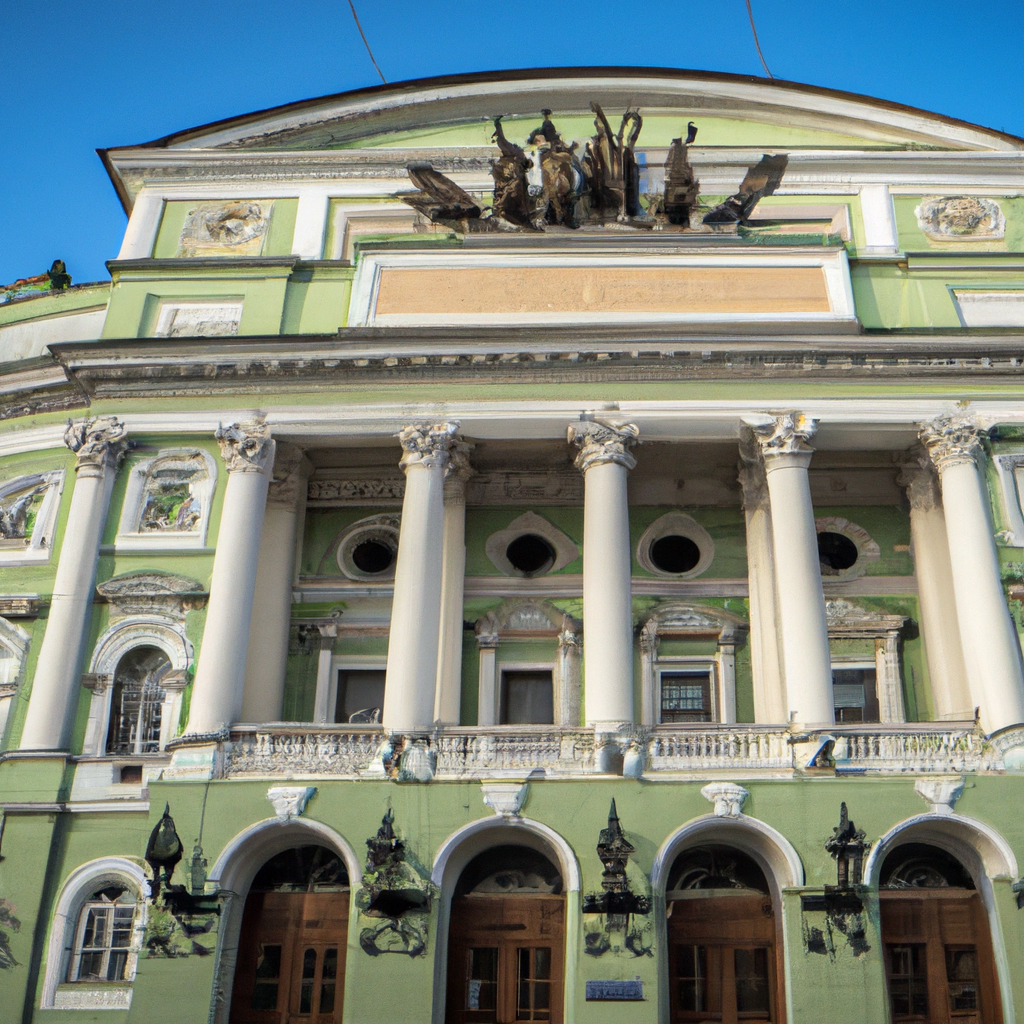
x,y
425,444
246,447
357,490
951,440
528,487
603,442
97,441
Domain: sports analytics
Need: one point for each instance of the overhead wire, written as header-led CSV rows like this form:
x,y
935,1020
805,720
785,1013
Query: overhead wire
x,y
750,14
366,43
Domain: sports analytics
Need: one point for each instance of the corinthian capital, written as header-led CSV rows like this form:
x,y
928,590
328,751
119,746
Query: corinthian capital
x,y
951,440
921,483
426,444
96,441
787,434
246,447
291,471
599,443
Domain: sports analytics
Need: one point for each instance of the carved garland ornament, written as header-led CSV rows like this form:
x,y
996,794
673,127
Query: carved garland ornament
x,y
951,440
601,443
788,434
426,444
96,441
246,447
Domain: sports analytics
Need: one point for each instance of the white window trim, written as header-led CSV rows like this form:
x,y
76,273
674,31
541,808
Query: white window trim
x,y
58,994
676,524
327,683
681,662
39,547
502,667
130,538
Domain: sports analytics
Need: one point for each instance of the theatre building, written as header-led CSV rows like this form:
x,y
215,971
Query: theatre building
x,y
560,566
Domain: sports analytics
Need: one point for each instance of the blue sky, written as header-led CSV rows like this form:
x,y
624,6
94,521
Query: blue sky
x,y
107,73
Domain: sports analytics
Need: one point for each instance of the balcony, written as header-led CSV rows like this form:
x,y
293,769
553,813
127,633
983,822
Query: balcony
x,y
286,750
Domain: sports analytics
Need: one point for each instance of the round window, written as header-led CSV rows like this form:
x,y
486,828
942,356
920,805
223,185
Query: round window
x,y
373,556
836,553
530,554
674,553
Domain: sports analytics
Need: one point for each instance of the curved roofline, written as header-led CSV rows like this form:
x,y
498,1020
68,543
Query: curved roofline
x,y
400,90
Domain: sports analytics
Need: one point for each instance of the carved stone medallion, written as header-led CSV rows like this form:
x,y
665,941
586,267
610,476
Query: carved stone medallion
x,y
971,218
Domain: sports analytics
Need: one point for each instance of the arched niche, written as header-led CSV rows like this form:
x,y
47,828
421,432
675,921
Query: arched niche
x,y
456,854
234,871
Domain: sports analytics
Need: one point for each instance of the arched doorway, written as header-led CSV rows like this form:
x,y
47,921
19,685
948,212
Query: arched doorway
x,y
506,939
938,949
722,938
291,953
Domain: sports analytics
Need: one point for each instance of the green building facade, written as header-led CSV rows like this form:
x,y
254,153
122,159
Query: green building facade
x,y
539,568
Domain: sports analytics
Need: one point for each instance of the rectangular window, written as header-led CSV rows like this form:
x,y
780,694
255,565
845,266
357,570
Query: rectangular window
x,y
854,694
105,942
686,695
360,694
482,990
752,996
527,697
962,977
268,978
695,992
908,981
534,984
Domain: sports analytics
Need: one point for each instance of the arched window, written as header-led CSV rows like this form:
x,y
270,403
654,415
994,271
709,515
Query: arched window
x,y
137,702
506,939
722,936
938,949
291,955
103,936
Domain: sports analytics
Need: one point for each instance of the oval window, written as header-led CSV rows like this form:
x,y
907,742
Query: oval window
x,y
530,554
836,553
674,553
373,556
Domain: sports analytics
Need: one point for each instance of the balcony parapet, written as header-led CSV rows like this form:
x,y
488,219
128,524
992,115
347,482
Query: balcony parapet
x,y
281,750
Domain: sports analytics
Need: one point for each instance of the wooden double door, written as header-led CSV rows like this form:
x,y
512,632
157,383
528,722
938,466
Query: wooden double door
x,y
506,959
722,962
291,958
938,957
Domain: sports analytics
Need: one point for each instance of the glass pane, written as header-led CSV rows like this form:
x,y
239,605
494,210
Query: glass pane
x,y
751,966
268,974
96,928
116,965
534,993
329,977
308,974
542,963
686,696
359,690
482,992
908,992
527,698
89,967
962,975
121,937
692,971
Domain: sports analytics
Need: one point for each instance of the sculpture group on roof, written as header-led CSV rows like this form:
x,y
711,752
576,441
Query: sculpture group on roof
x,y
550,184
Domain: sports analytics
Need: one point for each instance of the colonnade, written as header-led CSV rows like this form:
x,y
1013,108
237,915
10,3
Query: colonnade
x,y
972,648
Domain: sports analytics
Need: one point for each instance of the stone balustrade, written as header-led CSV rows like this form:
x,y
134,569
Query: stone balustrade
x,y
282,750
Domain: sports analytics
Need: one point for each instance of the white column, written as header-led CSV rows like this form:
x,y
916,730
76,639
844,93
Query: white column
x,y
143,225
448,701
879,219
947,674
605,460
726,674
416,608
887,675
649,641
310,225
770,704
567,675
987,634
487,680
806,664
326,693
217,692
267,657
99,445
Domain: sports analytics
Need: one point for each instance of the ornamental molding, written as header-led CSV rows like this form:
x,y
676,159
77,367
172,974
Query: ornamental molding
x,y
678,618
602,442
150,591
289,801
525,615
940,794
727,797
97,442
951,440
506,799
786,434
426,444
246,447
357,490
845,617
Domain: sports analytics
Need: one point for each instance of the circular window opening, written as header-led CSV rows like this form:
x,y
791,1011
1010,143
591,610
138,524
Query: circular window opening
x,y
373,557
530,554
836,552
674,553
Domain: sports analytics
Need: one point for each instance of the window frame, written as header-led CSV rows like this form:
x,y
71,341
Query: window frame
x,y
689,663
504,667
870,701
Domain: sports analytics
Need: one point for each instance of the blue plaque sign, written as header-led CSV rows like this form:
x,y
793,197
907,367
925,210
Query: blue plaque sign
x,y
615,991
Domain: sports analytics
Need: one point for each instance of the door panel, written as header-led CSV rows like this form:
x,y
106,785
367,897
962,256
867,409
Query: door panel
x,y
291,959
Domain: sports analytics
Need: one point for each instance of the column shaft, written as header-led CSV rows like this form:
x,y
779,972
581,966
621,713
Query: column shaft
x,y
416,608
53,701
280,540
806,663
987,634
605,462
218,689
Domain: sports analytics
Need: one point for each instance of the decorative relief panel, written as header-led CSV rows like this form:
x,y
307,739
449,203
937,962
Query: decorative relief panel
x,y
961,218
198,319
28,516
355,489
225,229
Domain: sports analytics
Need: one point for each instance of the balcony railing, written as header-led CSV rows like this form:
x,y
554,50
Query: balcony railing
x,y
301,750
